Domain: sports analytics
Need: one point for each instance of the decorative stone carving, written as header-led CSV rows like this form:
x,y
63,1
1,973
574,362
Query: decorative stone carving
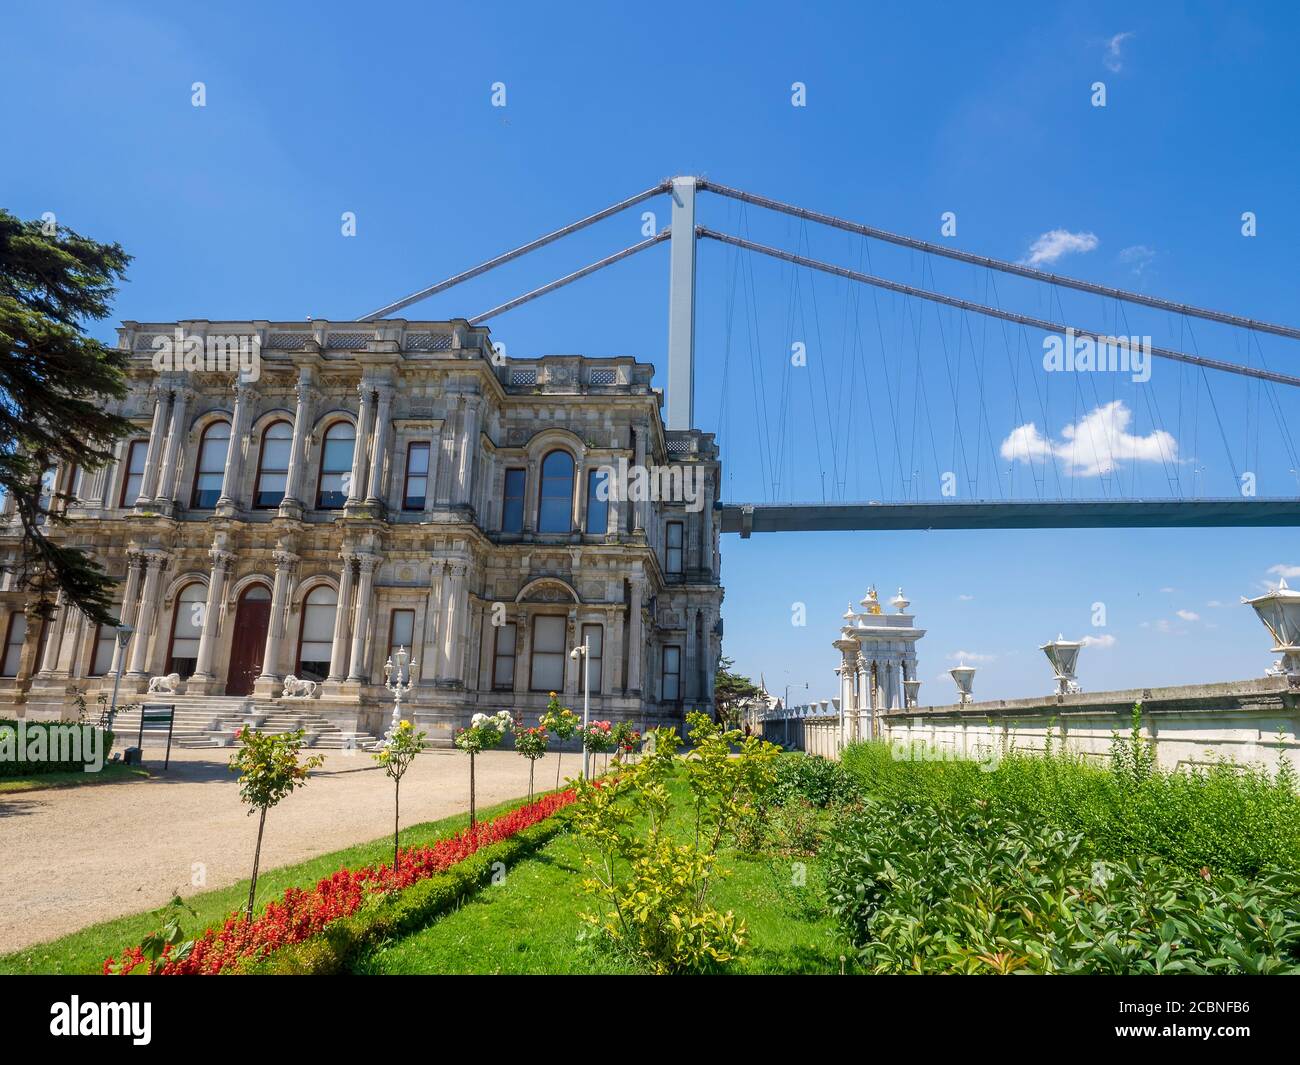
x,y
168,685
298,689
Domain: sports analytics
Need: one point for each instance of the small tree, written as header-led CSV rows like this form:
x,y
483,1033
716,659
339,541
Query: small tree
x,y
396,756
269,769
562,723
597,738
531,743
731,692
485,732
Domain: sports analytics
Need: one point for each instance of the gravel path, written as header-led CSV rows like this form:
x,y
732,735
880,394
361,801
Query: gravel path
x,y
70,857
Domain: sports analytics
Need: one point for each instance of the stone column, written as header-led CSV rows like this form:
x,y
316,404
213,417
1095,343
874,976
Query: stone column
x,y
469,451
639,507
298,452
157,443
222,563
375,495
434,624
613,680
356,484
130,601
174,454
572,667
706,534
285,561
54,641
361,618
636,640
154,563
339,651
244,398
450,658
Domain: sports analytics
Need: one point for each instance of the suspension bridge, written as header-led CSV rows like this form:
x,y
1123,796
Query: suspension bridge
x,y
1072,467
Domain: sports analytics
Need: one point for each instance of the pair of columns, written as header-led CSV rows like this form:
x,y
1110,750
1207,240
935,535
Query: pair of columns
x,y
348,657
166,435
240,423
447,622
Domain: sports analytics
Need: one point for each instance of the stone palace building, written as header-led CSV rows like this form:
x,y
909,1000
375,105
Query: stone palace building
x,y
376,485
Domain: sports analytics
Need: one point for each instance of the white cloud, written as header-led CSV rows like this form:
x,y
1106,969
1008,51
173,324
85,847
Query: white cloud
x,y
1188,615
1214,604
1138,257
1104,640
971,658
965,598
1058,242
1283,570
1168,591
1113,57
1096,444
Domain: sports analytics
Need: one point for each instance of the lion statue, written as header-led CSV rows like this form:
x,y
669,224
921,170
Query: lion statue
x,y
165,685
298,689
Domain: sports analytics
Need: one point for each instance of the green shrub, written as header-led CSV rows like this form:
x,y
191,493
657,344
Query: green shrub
x,y
812,779
920,888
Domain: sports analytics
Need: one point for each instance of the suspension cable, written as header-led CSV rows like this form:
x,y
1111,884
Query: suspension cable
x,y
1010,316
506,257
997,264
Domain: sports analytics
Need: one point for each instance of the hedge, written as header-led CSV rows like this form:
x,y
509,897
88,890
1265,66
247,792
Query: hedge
x,y
14,764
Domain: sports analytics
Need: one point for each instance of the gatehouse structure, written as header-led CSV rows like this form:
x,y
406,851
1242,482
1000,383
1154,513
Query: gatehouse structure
x,y
375,485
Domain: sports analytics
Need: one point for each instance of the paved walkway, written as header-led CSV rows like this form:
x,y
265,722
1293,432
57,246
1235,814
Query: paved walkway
x,y
71,857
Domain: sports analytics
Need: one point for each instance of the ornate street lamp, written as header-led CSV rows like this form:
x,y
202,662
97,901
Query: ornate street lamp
x,y
123,632
1279,610
964,676
912,692
580,654
1064,656
399,679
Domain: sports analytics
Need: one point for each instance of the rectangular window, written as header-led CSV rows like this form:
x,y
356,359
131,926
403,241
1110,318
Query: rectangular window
x,y
672,679
131,483
503,657
598,501
548,654
417,477
401,631
13,649
512,505
673,550
101,657
594,637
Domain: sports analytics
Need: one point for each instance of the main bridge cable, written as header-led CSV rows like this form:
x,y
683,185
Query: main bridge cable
x,y
590,268
505,257
998,264
978,308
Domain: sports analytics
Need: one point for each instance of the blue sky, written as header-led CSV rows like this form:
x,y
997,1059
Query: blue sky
x,y
233,210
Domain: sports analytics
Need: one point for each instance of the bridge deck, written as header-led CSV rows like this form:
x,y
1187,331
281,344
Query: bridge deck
x,y
746,518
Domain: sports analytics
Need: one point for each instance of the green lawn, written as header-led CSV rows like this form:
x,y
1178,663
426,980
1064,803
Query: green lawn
x,y
85,951
530,922
110,773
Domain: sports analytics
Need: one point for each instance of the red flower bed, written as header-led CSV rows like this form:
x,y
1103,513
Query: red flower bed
x,y
300,914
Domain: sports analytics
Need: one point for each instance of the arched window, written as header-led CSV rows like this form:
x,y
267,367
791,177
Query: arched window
x,y
336,465
316,638
273,465
211,467
136,453
187,628
555,499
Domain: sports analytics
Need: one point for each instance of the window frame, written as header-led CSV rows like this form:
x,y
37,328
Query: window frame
x,y
532,652
199,471
142,442
599,679
176,613
412,446
320,465
664,673
541,490
392,625
680,548
4,649
593,474
100,631
302,626
506,498
261,468
497,655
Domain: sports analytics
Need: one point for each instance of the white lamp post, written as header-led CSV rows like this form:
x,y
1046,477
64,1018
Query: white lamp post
x,y
912,688
124,633
398,679
579,654
1064,656
964,676
1279,610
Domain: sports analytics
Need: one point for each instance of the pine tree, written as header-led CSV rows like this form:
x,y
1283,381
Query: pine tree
x,y
55,384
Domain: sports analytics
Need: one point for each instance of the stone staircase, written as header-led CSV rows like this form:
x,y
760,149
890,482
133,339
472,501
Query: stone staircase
x,y
211,721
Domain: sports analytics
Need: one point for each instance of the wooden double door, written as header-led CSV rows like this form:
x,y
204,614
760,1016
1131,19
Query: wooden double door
x,y
248,642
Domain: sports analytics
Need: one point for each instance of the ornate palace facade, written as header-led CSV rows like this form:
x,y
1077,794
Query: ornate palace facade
x,y
372,485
